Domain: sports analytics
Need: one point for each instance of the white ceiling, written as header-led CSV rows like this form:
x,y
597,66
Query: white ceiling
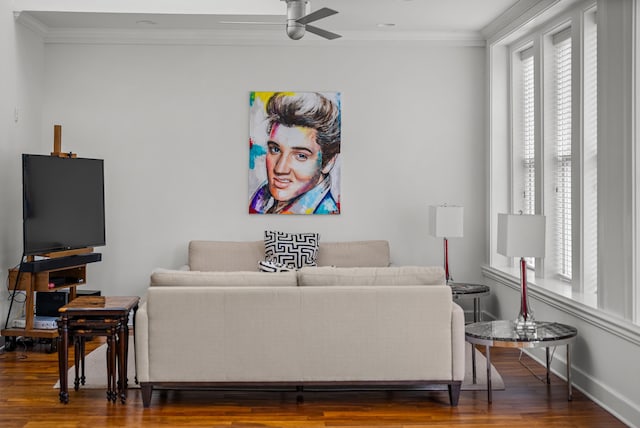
x,y
356,20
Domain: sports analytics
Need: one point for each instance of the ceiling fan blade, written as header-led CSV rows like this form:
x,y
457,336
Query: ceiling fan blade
x,y
322,33
251,22
318,14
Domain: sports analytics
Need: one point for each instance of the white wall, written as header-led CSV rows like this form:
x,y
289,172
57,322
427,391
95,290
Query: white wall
x,y
171,123
21,88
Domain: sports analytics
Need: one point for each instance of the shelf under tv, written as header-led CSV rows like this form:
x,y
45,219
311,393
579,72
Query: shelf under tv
x,y
64,270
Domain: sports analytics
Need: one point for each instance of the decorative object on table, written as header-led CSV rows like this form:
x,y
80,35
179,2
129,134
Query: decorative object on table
x,y
522,236
446,221
294,152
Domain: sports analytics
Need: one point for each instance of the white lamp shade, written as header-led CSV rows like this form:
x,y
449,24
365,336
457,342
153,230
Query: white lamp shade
x,y
521,235
446,221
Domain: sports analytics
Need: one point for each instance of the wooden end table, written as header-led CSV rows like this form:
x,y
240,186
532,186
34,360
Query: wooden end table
x,y
503,333
96,316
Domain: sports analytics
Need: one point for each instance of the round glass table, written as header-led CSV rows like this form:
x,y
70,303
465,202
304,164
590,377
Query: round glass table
x,y
462,290
503,333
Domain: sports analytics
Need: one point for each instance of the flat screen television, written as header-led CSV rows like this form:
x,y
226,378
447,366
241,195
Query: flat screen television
x,y
63,203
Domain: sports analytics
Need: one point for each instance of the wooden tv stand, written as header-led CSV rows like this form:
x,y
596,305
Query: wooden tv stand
x,y
68,272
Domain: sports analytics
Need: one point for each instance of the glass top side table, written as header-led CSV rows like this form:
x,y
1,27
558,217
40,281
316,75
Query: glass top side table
x,y
503,333
462,290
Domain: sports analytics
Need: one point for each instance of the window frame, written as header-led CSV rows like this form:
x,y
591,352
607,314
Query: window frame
x,y
540,40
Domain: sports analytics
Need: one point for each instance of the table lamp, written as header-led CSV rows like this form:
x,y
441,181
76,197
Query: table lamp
x,y
446,221
522,236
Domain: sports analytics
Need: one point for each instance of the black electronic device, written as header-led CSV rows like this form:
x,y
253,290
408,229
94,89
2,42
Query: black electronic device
x,y
63,203
48,303
60,262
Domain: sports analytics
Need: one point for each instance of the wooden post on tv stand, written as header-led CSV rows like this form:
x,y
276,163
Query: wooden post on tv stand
x,y
57,151
57,144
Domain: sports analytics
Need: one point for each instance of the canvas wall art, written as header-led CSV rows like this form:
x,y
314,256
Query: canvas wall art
x,y
294,152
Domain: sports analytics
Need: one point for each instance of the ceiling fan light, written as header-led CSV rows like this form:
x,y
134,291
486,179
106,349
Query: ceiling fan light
x,y
295,31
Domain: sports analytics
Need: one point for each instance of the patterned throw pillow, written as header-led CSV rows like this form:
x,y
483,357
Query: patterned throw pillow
x,y
293,249
273,267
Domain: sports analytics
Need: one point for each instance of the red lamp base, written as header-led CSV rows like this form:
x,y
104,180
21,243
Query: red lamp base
x,y
525,320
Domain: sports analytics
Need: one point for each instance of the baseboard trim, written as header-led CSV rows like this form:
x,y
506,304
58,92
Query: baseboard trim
x,y
607,398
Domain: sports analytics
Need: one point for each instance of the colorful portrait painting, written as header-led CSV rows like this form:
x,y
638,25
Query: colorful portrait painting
x,y
294,152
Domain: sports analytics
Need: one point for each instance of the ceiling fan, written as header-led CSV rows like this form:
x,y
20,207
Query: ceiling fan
x,y
298,21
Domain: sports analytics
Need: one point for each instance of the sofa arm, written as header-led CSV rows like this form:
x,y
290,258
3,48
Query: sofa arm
x,y
457,341
141,332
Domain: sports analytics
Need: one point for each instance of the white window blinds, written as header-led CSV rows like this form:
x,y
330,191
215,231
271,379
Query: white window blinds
x,y
528,133
562,143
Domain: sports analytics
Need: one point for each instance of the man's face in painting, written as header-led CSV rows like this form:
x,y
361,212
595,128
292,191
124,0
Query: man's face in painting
x,y
294,161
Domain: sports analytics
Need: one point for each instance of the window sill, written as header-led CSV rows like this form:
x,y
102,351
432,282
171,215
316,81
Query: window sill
x,y
559,296
553,285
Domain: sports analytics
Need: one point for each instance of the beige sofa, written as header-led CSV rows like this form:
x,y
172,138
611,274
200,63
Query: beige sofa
x,y
356,322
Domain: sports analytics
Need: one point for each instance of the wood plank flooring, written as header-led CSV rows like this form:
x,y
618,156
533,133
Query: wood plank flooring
x,y
27,399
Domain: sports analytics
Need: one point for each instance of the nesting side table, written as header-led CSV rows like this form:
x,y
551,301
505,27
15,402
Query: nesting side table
x,y
99,316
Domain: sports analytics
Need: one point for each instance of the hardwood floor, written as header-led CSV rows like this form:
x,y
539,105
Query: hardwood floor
x,y
27,399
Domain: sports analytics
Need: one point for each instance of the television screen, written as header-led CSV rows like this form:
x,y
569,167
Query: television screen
x,y
63,203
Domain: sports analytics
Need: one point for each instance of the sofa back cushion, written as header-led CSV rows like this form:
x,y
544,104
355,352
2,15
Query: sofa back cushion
x,y
223,279
225,256
354,254
229,256
404,275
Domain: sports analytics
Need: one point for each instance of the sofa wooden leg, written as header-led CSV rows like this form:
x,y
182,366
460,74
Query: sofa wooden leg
x,y
147,389
454,392
299,392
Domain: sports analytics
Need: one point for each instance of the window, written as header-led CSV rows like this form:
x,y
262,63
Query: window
x,y
553,144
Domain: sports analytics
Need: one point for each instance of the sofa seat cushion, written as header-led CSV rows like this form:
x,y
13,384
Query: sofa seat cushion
x,y
403,275
223,279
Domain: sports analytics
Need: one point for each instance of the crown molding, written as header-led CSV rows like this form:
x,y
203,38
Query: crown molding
x,y
267,37
31,23
516,16
237,37
523,16
217,7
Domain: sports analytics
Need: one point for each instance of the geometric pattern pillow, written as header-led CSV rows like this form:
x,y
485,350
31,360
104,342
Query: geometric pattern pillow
x,y
273,267
293,249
